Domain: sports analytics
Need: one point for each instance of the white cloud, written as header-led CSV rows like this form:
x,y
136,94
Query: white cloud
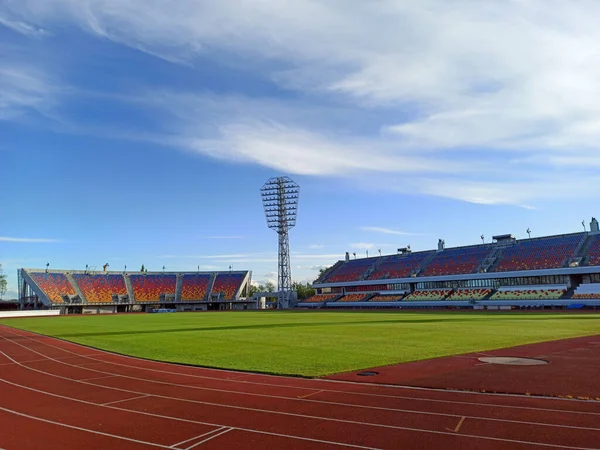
x,y
22,27
26,240
503,93
24,89
316,246
223,237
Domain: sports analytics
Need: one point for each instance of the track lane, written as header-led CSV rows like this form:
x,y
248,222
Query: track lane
x,y
267,412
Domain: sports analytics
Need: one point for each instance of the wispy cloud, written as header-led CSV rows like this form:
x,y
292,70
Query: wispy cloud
x,y
387,231
362,246
27,240
316,246
464,101
22,27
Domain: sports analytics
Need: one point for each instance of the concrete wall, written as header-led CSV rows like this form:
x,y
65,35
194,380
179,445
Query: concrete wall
x,y
53,312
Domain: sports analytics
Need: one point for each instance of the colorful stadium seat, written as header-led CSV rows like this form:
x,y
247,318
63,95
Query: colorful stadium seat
x,y
398,266
351,270
194,286
53,285
149,287
543,253
99,288
354,298
593,252
470,294
587,291
454,261
529,294
318,298
428,295
387,298
228,284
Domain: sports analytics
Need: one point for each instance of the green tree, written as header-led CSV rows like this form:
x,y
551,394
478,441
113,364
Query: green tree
x,y
269,287
3,282
304,290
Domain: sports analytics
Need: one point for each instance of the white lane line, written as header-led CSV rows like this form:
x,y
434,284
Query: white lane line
x,y
99,378
307,400
216,430
419,430
209,438
87,430
124,400
364,394
177,419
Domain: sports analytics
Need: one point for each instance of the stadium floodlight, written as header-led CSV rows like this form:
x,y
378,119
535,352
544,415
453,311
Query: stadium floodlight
x,y
280,202
482,239
529,233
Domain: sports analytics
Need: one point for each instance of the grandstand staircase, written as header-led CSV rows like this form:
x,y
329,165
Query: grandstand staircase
x,y
579,255
178,287
211,285
423,264
490,259
78,290
373,268
129,288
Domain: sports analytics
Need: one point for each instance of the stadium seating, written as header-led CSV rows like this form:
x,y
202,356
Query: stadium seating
x,y
593,252
149,287
470,294
353,298
387,298
318,298
99,288
398,266
428,295
54,285
545,253
587,291
350,271
228,284
456,260
537,293
194,286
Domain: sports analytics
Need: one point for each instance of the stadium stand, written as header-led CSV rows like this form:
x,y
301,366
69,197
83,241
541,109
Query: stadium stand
x,y
149,287
530,293
354,298
387,298
470,294
228,284
429,294
456,261
398,266
587,291
99,288
195,286
351,270
54,285
318,298
593,252
541,253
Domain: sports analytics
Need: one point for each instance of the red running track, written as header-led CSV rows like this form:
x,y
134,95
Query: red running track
x,y
59,395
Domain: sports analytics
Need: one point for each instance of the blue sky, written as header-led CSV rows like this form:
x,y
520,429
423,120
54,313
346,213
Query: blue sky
x,y
136,132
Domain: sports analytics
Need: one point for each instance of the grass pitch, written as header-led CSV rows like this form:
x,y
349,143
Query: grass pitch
x,y
308,343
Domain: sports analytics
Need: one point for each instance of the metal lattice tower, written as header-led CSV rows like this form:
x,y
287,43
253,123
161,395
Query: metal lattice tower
x,y
280,201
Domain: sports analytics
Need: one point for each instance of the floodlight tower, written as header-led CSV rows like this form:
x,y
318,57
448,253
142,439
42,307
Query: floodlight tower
x,y
280,201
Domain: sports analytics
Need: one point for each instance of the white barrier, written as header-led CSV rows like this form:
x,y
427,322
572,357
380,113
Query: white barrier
x,y
29,313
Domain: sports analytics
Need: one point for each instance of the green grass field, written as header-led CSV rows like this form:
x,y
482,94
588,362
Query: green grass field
x,y
308,343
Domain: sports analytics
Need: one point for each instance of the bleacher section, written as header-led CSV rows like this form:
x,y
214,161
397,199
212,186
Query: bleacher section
x,y
351,270
228,284
99,288
398,266
149,288
543,253
456,260
594,251
587,291
54,285
318,298
530,293
470,294
428,295
386,298
194,286
354,298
